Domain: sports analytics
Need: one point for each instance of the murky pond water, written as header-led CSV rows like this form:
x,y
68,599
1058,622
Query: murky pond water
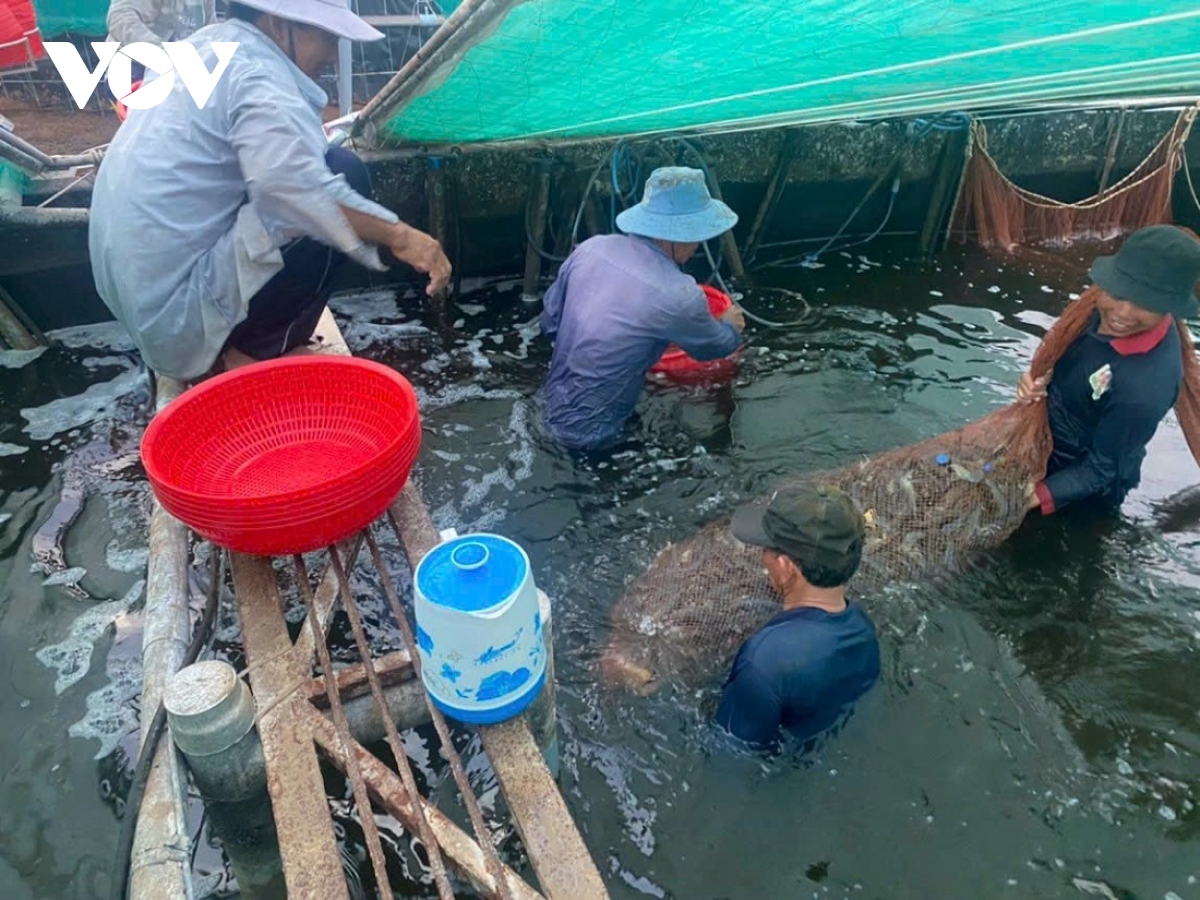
x,y
1034,734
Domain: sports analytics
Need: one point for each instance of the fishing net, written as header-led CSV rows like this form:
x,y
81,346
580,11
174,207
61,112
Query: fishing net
x,y
931,509
999,213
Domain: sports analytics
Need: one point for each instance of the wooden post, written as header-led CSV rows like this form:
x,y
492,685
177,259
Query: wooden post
x,y
593,216
542,714
12,330
1110,156
728,245
952,212
775,188
951,167
535,228
435,193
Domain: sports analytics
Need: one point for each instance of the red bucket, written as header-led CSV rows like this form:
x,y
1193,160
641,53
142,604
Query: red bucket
x,y
676,366
285,456
14,46
27,19
121,109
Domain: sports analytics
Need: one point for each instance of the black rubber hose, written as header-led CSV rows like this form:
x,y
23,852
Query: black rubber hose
x,y
141,773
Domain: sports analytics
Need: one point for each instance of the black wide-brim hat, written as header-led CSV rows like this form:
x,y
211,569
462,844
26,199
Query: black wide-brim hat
x,y
1156,268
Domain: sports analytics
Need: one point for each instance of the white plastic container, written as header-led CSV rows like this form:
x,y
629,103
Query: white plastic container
x,y
479,628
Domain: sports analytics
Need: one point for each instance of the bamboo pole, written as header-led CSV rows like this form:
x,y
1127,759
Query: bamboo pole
x,y
535,228
472,21
12,330
160,865
775,189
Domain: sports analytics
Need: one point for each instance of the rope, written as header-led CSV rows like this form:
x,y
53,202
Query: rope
x,y
1187,171
804,317
1173,140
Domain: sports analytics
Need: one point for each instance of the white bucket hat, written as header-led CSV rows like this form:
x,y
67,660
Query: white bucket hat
x,y
329,15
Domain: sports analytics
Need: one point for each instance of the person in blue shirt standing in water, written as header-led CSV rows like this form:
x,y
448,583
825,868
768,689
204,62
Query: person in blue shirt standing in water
x,y
1113,386
621,299
802,672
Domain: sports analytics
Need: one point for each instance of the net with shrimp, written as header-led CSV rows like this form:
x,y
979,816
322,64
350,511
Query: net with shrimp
x,y
931,507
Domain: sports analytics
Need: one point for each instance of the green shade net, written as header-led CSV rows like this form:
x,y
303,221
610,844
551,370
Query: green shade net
x,y
589,68
58,17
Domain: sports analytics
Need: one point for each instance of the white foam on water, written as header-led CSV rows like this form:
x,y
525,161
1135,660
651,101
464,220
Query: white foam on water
x,y
366,305
490,520
16,359
435,364
478,490
471,309
479,360
100,362
98,402
102,335
527,332
471,285
126,560
11,449
4,517
523,453
72,657
66,577
111,713
454,394
360,335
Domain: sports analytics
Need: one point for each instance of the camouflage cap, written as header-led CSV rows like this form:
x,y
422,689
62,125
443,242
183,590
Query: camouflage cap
x,y
816,524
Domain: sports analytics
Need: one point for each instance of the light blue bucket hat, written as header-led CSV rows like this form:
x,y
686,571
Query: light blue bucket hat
x,y
676,206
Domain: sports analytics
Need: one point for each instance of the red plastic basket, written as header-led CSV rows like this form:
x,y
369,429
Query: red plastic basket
x,y
27,19
15,50
285,456
675,365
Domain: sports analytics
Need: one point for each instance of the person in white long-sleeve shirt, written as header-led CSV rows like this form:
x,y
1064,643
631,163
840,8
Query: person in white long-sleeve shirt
x,y
155,21
215,232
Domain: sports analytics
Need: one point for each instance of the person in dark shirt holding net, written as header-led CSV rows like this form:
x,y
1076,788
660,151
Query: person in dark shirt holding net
x,y
801,673
1116,382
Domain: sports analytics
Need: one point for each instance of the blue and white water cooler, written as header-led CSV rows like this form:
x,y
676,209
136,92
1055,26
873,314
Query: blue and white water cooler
x,y
479,628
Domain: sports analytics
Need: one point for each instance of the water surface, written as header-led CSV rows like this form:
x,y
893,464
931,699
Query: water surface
x,y
1036,719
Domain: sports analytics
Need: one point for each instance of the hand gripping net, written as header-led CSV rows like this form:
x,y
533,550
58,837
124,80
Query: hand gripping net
x,y
931,508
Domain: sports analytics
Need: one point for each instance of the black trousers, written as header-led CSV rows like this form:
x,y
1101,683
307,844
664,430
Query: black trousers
x,y
284,314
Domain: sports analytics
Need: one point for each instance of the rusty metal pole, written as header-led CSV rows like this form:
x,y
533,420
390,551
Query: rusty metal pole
x,y
535,228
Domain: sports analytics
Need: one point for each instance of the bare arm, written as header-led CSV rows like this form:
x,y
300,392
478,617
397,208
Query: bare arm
x,y
406,243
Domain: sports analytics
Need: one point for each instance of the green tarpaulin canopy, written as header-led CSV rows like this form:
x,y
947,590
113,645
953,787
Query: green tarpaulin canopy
x,y
592,68
59,17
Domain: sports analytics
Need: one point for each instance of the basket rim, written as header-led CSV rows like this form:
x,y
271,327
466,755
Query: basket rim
x,y
166,417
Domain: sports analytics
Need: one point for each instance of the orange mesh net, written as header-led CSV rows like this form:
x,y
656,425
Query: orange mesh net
x,y
932,507
998,213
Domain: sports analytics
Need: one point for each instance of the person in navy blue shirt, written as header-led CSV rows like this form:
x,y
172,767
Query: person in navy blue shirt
x,y
1112,387
802,672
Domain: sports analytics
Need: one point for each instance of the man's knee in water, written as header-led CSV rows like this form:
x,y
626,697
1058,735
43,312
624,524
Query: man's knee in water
x,y
346,163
